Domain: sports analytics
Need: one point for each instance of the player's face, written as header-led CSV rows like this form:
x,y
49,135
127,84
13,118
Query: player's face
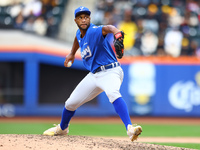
x,y
83,21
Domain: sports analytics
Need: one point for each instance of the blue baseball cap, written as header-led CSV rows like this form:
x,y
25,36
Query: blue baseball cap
x,y
80,10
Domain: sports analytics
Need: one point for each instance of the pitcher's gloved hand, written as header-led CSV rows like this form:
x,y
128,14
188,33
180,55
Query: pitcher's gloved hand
x,y
118,43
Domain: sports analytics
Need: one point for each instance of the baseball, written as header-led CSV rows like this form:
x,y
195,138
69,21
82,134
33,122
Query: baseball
x,y
69,64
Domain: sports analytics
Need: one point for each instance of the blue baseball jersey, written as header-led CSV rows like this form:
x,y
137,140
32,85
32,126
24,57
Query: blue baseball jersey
x,y
95,48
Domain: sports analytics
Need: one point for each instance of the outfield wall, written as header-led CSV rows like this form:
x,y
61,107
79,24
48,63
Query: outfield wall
x,y
153,86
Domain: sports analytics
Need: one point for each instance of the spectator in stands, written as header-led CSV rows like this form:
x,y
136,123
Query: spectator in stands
x,y
149,43
130,29
19,21
150,22
28,25
173,42
40,26
51,27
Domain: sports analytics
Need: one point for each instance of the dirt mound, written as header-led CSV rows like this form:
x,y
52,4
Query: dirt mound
x,y
35,142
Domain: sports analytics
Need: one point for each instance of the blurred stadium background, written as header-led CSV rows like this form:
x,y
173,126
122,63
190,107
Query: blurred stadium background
x,y
161,63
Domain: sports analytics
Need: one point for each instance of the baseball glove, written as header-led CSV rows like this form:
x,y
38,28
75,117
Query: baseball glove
x,y
118,43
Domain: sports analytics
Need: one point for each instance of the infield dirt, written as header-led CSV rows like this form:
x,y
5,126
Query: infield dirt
x,y
40,142
71,142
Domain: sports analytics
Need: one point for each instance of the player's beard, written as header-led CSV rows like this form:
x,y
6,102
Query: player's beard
x,y
84,28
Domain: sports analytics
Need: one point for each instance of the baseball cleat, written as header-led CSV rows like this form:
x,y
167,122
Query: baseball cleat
x,y
54,131
134,132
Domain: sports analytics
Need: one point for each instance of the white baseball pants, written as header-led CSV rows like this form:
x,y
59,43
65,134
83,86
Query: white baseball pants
x,y
92,85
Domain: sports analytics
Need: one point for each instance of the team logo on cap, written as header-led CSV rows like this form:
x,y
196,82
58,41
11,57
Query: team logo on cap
x,y
81,8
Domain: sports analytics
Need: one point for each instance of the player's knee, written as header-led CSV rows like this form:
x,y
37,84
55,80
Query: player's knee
x,y
70,106
112,96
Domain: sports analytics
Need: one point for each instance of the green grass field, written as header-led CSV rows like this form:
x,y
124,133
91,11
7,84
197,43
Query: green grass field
x,y
110,130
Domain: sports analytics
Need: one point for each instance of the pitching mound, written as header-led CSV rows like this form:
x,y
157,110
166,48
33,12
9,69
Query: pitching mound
x,y
35,142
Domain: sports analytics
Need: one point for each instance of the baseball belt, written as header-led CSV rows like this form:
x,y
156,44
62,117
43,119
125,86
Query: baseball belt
x,y
105,67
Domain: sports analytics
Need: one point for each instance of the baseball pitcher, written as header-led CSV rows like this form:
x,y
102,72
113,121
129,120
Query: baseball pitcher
x,y
105,73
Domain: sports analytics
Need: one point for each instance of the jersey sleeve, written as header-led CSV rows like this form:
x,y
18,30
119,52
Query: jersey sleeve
x,y
97,32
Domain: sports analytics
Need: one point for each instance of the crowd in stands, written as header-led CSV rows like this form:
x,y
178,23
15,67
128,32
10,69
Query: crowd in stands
x,y
41,17
154,27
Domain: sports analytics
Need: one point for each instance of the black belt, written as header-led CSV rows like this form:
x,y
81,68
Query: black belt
x,y
109,66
